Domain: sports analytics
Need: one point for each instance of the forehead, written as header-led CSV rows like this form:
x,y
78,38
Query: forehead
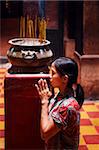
x,y
53,67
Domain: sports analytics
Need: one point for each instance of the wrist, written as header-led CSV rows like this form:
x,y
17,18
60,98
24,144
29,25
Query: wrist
x,y
43,102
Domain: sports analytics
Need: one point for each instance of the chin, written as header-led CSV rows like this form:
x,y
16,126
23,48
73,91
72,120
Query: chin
x,y
52,85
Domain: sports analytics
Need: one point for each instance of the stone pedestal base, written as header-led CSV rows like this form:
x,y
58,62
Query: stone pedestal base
x,y
89,74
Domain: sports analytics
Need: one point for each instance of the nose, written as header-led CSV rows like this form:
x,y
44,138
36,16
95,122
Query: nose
x,y
50,76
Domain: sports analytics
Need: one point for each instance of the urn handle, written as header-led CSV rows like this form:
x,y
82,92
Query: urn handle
x,y
29,54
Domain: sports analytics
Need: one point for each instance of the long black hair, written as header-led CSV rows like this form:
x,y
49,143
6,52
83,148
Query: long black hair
x,y
69,67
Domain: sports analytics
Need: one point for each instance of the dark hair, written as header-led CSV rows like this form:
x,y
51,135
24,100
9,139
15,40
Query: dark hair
x,y
79,94
67,66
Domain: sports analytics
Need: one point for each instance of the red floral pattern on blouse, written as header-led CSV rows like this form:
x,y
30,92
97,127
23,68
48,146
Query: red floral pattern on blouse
x,y
65,113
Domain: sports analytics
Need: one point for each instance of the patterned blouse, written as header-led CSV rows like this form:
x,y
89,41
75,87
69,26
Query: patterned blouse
x,y
65,113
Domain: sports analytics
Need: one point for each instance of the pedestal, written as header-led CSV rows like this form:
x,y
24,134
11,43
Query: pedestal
x,y
22,112
89,75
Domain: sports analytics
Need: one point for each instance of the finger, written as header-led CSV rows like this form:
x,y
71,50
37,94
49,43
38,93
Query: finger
x,y
37,87
46,85
41,84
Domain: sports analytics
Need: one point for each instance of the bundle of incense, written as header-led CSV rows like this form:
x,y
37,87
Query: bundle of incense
x,y
31,28
22,26
35,27
39,28
27,26
42,30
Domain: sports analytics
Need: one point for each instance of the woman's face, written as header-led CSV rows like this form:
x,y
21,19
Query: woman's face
x,y
55,80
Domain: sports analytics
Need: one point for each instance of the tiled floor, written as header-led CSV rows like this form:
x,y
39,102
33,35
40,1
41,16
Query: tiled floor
x,y
2,73
89,129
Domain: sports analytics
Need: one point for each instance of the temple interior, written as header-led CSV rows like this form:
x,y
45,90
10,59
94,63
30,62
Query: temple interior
x,y
61,28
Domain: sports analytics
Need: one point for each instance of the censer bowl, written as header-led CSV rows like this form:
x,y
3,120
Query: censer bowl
x,y
29,52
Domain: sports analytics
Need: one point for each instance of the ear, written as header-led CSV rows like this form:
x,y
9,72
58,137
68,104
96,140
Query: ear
x,y
65,79
66,76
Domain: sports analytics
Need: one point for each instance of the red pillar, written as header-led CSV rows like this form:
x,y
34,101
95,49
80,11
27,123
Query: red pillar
x,y
22,112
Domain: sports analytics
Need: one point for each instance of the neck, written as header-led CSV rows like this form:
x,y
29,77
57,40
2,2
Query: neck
x,y
66,91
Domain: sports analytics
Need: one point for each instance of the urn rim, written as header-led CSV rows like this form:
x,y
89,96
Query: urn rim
x,y
28,42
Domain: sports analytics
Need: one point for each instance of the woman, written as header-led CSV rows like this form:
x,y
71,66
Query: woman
x,y
60,118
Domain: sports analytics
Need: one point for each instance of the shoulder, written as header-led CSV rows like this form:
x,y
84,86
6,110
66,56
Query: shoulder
x,y
69,103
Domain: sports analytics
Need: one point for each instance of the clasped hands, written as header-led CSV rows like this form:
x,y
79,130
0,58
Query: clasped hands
x,y
43,90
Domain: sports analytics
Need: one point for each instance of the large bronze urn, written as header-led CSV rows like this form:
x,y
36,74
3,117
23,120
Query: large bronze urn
x,y
29,55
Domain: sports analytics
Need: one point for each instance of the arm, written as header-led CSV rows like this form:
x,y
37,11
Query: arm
x,y
48,127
